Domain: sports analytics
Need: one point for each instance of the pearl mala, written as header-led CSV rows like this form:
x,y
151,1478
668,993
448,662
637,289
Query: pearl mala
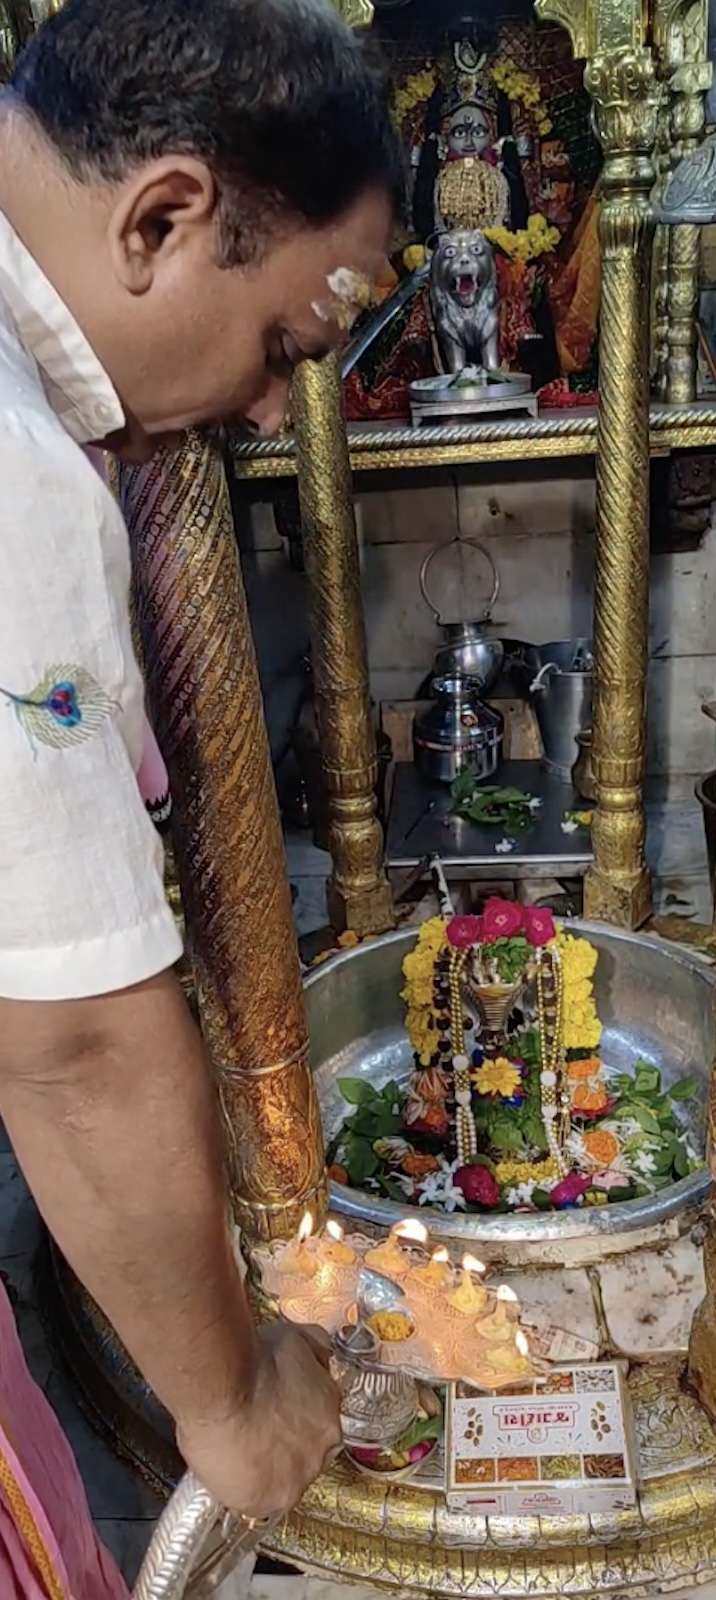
x,y
465,1130
549,976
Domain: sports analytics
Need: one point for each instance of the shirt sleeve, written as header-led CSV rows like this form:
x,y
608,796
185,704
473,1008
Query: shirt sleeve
x,y
82,903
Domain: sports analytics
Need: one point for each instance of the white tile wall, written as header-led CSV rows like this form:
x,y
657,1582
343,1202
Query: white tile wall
x,y
539,526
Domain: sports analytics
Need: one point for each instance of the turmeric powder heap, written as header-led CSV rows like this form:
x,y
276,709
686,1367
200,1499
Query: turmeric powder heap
x,y
391,1327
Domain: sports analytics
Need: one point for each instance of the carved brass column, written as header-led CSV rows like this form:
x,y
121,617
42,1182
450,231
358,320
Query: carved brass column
x,y
680,40
623,87
621,80
358,893
208,713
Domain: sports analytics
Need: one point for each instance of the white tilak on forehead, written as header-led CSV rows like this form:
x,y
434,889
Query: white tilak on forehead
x,y
350,293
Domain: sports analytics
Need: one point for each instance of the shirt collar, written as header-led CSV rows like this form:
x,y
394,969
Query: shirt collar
x,y
76,385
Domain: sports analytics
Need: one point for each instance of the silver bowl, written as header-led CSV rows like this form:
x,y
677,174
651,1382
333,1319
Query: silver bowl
x,y
655,1002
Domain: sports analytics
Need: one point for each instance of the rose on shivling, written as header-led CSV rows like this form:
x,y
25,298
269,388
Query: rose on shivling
x,y
501,919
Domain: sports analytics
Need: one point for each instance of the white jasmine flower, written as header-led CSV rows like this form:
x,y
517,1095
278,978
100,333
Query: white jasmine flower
x,y
576,1148
438,1189
521,1194
644,1162
534,803
569,826
504,847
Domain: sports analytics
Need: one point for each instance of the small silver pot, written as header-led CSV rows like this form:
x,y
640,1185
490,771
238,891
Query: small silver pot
x,y
469,650
457,731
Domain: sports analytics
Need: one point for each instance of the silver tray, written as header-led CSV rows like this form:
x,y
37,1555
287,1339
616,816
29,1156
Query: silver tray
x,y
655,1002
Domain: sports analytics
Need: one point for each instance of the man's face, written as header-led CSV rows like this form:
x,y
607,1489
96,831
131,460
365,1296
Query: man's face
x,y
198,344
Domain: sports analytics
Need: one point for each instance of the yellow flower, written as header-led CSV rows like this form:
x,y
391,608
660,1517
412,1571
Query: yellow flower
x,y
419,992
537,239
579,957
500,1077
414,257
418,964
526,1171
432,935
416,89
348,940
421,1032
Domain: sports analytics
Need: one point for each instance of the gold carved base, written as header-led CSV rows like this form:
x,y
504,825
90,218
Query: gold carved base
x,y
402,1538
702,1357
362,910
625,905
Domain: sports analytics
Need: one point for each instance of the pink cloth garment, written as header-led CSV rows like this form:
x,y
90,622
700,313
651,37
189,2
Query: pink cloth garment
x,y
152,775
36,1460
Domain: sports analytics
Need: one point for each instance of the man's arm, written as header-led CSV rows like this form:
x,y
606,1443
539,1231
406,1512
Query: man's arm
x,y
104,1083
112,1113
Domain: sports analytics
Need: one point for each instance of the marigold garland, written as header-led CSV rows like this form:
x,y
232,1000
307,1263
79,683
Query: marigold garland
x,y
419,973
539,238
521,87
582,1028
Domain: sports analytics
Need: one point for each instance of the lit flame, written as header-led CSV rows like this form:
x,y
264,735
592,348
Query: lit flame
x,y
415,1231
306,1228
440,1256
335,1231
521,1342
471,1264
506,1294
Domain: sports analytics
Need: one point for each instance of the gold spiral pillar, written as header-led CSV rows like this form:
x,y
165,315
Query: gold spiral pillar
x,y
206,704
359,894
621,80
680,42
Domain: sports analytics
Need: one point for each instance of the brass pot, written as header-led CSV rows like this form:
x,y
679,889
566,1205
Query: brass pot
x,y
583,779
495,1003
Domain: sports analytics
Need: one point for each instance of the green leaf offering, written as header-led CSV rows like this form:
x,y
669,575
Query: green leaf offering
x,y
488,805
683,1089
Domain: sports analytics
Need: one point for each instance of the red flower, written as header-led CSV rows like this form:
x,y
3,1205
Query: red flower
x,y
462,932
602,1111
478,1185
570,1190
501,919
539,926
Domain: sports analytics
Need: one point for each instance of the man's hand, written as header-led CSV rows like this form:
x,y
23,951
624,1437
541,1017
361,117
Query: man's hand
x,y
260,1459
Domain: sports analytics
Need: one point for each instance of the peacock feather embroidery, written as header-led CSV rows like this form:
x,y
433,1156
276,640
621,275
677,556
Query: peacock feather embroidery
x,y
66,708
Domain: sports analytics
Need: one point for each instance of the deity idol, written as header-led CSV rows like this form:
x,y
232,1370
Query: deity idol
x,y
468,174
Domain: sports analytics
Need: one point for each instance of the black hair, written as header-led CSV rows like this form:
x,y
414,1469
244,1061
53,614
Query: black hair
x,y
284,104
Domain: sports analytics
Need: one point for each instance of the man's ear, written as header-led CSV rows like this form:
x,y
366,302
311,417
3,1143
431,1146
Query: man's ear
x,y
159,209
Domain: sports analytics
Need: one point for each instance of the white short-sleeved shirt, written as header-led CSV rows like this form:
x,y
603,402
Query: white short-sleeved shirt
x,y
82,904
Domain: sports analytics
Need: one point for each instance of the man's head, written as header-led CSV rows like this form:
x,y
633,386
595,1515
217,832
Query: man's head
x,y
209,186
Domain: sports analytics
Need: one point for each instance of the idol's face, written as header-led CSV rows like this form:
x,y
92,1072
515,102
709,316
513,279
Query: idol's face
x,y
468,132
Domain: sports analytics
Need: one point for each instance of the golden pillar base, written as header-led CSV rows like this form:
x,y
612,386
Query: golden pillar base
x,y
626,905
367,911
359,895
